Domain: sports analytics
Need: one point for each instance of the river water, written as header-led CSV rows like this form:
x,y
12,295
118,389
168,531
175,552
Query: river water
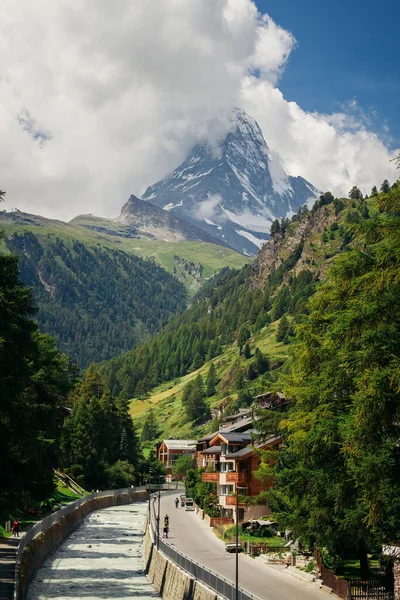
x,y
102,559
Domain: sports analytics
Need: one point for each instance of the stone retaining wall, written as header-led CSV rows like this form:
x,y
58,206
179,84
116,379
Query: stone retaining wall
x,y
396,573
169,580
42,545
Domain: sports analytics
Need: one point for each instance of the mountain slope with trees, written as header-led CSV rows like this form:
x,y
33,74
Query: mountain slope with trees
x,y
337,478
236,304
97,302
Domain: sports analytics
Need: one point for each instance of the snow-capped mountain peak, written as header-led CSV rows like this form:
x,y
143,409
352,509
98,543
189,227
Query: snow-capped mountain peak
x,y
236,191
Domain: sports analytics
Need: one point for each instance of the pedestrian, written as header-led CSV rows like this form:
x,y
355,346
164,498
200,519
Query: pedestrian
x,y
166,519
288,560
15,528
166,527
176,502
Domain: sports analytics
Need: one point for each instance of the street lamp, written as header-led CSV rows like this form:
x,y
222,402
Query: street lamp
x,y
149,480
158,514
237,539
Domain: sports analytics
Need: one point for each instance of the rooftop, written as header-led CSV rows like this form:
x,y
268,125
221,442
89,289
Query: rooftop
x,y
180,444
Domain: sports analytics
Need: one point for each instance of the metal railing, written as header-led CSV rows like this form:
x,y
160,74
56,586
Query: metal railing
x,y
219,584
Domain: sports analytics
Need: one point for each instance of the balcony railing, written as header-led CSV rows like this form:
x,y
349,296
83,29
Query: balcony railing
x,y
231,501
210,477
239,478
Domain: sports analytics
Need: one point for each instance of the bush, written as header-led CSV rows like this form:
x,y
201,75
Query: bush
x,y
120,475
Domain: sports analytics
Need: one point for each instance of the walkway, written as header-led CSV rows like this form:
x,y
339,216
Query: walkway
x,y
102,559
8,549
195,538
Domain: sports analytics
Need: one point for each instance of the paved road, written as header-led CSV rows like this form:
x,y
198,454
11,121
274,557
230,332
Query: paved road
x,y
102,559
195,538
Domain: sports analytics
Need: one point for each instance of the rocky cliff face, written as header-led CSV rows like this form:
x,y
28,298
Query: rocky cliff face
x,y
235,191
306,235
147,219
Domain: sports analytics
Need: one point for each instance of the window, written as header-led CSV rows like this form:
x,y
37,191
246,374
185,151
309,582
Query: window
x,y
226,490
226,467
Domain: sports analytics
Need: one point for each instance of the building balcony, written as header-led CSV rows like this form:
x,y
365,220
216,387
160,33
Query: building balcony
x,y
210,477
239,478
231,501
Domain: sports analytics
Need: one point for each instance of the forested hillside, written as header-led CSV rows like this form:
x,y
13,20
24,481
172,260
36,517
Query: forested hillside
x,y
235,305
337,478
96,301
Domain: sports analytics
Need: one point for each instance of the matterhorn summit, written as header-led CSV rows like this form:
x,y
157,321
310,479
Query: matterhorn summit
x,y
233,192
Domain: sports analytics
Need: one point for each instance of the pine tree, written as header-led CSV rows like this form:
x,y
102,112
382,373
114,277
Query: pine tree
x,y
195,407
283,328
355,193
385,187
211,380
247,351
243,336
150,431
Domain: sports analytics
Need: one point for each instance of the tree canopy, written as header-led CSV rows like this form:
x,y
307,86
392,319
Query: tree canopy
x,y
338,478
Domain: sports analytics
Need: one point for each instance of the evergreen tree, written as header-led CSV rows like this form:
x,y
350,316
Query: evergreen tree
x,y
151,430
385,187
193,401
247,351
355,193
243,336
283,328
275,228
261,363
211,380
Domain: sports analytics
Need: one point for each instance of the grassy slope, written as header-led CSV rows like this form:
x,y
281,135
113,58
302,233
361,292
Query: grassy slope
x,y
210,256
166,398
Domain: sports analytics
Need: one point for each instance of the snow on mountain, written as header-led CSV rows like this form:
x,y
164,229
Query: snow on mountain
x,y
235,192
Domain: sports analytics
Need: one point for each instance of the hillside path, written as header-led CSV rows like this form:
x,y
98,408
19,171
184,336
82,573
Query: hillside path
x,y
190,534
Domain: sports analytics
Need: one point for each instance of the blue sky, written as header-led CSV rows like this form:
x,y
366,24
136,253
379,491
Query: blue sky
x,y
347,49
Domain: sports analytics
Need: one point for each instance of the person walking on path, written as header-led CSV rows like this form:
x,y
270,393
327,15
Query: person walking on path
x,y
15,528
176,502
166,526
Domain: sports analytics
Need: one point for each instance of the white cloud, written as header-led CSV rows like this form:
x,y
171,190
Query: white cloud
x,y
207,208
100,99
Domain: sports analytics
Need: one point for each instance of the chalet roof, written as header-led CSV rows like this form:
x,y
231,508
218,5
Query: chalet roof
x,y
250,448
246,422
242,412
187,445
232,437
206,438
212,450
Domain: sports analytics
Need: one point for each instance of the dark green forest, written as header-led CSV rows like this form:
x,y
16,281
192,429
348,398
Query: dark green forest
x,y
337,477
96,302
35,380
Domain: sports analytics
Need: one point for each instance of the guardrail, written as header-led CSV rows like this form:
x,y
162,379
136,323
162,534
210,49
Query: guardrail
x,y
211,579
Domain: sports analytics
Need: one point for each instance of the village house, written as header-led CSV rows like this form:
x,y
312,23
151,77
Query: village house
x,y
236,467
170,450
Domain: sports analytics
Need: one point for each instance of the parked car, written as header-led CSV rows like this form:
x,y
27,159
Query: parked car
x,y
189,504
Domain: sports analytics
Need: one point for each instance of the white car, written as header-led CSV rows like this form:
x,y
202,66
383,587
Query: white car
x,y
189,504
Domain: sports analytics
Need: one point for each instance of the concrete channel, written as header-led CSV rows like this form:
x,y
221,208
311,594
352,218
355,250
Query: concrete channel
x,y
102,559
